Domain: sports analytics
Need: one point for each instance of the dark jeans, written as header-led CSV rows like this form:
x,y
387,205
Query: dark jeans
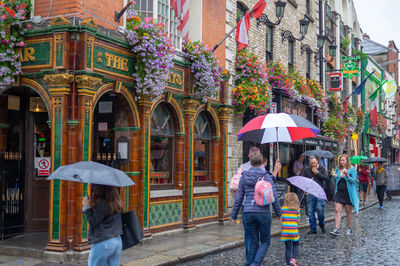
x,y
380,190
315,204
292,249
258,225
246,237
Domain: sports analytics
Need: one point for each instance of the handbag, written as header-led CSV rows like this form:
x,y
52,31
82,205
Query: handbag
x,y
132,233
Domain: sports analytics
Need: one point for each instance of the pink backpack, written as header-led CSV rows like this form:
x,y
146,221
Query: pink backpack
x,y
263,193
234,183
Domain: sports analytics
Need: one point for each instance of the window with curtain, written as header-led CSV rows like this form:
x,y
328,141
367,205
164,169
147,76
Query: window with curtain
x,y
269,43
290,55
202,150
164,13
162,147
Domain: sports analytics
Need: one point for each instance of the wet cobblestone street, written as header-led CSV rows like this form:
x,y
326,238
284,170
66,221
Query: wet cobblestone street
x,y
375,240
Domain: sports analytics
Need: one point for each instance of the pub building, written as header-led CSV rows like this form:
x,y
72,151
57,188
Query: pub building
x,y
76,101
289,152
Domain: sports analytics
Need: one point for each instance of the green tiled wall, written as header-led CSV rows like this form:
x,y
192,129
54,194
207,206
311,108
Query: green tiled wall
x,y
166,213
205,207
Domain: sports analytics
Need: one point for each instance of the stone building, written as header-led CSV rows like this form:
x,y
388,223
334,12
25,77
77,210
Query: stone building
x,y
77,100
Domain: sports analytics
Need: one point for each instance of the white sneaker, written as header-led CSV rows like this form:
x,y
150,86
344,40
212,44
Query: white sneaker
x,y
348,231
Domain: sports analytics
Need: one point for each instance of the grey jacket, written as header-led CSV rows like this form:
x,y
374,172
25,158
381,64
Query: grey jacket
x,y
381,178
101,225
246,192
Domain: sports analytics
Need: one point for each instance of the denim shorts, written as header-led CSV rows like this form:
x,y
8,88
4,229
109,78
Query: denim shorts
x,y
363,187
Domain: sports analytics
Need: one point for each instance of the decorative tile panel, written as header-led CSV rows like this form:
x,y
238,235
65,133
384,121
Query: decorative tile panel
x,y
165,213
205,207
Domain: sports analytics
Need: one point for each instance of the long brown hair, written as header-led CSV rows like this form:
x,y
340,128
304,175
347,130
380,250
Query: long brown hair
x,y
110,195
348,164
291,201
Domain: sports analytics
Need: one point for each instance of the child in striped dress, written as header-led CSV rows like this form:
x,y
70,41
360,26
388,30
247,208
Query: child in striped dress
x,y
290,229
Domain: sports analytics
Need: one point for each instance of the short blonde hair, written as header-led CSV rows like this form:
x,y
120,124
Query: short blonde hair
x,y
348,164
291,201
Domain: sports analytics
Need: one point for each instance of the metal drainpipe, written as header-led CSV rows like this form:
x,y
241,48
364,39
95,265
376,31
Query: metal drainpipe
x,y
321,31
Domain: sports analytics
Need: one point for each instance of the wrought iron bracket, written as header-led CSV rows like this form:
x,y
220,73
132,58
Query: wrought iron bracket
x,y
265,20
286,34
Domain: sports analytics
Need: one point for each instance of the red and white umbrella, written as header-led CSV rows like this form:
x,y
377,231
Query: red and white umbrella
x,y
281,127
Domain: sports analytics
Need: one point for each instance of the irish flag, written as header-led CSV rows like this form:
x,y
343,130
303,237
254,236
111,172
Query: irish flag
x,y
242,30
373,113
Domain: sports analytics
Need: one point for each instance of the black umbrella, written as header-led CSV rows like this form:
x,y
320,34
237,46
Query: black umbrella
x,y
375,160
318,153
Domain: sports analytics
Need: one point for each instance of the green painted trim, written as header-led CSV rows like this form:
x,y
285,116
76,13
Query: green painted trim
x,y
84,219
132,173
146,174
190,171
90,74
114,41
180,134
216,137
126,128
181,63
72,122
57,184
225,149
2,125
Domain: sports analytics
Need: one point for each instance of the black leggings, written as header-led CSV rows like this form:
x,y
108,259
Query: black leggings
x,y
292,249
380,190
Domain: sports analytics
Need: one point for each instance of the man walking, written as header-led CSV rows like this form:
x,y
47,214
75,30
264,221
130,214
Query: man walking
x,y
319,174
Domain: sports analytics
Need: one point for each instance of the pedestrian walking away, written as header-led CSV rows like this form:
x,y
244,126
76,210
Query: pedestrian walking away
x,y
244,167
363,179
345,193
256,219
103,212
319,174
381,179
290,227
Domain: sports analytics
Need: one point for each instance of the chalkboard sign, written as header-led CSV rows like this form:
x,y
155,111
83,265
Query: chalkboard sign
x,y
281,189
393,185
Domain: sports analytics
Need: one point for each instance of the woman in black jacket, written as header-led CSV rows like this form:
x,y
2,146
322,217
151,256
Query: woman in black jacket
x,y
103,212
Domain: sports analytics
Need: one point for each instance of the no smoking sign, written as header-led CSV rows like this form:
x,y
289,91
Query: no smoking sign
x,y
43,166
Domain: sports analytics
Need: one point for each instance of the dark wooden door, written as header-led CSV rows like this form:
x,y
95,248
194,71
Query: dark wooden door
x,y
37,139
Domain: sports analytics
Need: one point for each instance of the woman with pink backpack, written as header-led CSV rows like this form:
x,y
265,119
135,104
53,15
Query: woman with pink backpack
x,y
256,216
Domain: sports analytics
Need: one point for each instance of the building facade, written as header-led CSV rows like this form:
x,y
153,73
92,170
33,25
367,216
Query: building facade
x,y
77,101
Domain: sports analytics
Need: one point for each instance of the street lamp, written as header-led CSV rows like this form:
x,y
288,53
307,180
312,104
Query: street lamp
x,y
320,40
332,50
286,34
279,11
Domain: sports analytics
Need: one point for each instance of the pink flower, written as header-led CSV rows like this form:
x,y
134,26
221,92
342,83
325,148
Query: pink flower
x,y
133,3
21,44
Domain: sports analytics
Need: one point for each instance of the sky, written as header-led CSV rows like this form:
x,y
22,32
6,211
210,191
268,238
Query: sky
x,y
380,19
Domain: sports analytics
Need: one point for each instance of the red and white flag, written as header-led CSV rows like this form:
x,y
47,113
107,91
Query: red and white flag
x,y
258,9
181,8
242,30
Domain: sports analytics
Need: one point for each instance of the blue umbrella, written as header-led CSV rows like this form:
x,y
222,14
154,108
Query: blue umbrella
x,y
92,173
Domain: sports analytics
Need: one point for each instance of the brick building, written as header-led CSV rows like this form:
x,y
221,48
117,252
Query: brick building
x,y
76,101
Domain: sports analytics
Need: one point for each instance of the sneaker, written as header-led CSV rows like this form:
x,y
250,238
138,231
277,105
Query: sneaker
x,y
323,230
311,232
380,206
293,262
348,231
335,232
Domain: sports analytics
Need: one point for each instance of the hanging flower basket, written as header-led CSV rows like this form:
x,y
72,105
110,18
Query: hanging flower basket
x,y
253,90
12,28
207,72
382,124
360,118
154,53
350,119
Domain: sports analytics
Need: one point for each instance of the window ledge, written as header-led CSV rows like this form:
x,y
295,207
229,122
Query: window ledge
x,y
165,193
199,190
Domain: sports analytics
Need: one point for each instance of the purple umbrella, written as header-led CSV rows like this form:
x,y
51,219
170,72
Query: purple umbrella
x,y
308,185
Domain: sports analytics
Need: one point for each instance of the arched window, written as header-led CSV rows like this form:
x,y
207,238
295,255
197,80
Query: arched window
x,y
202,150
162,147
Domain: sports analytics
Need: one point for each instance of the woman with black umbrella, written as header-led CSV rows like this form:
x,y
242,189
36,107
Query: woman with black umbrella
x,y
381,179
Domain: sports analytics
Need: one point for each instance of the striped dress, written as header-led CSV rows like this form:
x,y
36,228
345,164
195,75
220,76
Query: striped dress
x,y
290,229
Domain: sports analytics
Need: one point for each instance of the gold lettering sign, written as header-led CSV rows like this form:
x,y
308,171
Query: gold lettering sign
x,y
175,78
26,54
114,61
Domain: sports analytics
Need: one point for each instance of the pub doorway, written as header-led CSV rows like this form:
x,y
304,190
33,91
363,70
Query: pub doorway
x,y
24,144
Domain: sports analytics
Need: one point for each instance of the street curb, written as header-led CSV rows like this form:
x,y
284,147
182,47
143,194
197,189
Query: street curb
x,y
238,243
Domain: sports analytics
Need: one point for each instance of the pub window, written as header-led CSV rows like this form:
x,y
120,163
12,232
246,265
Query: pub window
x,y
202,150
162,147
163,12
291,55
308,64
269,43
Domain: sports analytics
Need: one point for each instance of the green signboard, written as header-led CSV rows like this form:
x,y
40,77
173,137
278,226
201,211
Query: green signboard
x,y
350,70
112,61
390,88
36,53
176,79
